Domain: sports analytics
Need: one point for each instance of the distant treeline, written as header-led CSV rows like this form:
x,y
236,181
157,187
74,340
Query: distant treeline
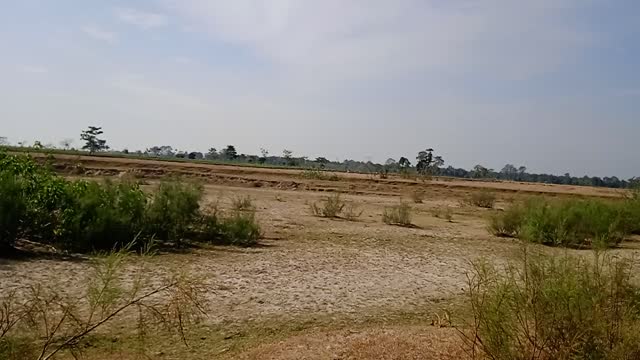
x,y
427,163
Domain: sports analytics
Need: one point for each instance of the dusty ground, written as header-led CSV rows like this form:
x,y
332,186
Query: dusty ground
x,y
326,289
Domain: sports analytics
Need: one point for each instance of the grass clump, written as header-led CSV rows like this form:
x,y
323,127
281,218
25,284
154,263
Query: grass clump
x,y
444,213
242,203
331,207
569,222
484,199
546,307
397,214
334,207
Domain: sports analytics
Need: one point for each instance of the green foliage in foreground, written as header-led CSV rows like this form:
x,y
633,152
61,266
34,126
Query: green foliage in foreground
x,y
84,216
547,307
569,222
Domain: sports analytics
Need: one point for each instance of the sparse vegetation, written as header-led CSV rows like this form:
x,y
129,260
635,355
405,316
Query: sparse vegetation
x,y
317,174
41,322
484,199
397,214
545,307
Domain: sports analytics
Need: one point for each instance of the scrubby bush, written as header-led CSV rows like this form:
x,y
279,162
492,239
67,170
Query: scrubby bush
x,y
544,307
397,214
102,216
484,199
569,222
172,209
507,223
443,213
84,216
352,212
240,228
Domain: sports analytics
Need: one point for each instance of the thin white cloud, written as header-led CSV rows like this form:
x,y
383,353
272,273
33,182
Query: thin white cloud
x,y
33,69
100,34
373,38
142,19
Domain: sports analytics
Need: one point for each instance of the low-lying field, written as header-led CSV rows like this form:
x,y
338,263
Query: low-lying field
x,y
315,286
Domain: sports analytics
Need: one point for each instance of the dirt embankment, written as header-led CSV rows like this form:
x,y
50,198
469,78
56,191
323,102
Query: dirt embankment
x,y
291,179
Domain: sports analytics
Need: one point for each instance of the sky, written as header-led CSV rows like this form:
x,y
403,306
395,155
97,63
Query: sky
x,y
549,84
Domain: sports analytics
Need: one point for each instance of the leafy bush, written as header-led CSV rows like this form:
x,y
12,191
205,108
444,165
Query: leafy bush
x,y
331,207
172,209
36,204
554,308
102,216
574,223
240,228
484,199
13,209
397,215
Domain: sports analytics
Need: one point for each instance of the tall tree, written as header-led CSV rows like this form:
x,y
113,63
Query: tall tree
x,y
427,163
230,152
92,142
3,141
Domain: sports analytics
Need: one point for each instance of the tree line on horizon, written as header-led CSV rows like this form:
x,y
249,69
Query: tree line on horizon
x,y
427,163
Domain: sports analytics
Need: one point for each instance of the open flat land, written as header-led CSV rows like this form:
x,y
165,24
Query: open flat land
x,y
316,288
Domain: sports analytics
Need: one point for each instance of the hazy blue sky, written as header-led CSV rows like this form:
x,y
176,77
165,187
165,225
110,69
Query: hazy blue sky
x,y
550,84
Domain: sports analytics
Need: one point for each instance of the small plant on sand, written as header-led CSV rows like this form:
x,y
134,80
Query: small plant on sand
x,y
418,196
352,212
545,307
444,213
397,214
242,203
484,199
331,207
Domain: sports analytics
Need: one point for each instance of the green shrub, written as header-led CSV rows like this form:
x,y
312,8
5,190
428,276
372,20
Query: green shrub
x,y
102,216
397,215
331,207
83,216
172,209
13,209
544,307
240,228
507,223
484,199
572,222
